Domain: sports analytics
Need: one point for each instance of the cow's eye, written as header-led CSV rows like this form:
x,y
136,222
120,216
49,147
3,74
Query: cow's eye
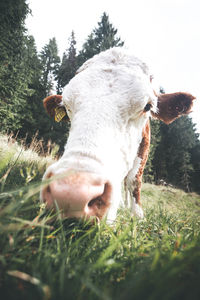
x,y
148,107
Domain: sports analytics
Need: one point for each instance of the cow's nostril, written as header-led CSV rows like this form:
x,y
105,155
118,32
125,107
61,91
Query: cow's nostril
x,y
46,196
98,206
98,202
48,189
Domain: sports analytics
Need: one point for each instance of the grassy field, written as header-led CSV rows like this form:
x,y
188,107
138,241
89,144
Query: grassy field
x,y
49,258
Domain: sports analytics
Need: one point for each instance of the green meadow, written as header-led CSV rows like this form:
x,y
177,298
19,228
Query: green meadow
x,y
45,257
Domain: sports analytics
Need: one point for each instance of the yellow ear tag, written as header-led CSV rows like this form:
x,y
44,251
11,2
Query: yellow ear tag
x,y
60,112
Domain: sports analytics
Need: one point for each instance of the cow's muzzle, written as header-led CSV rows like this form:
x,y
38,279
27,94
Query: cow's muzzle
x,y
78,194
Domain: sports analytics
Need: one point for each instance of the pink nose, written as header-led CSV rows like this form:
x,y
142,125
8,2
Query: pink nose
x,y
78,195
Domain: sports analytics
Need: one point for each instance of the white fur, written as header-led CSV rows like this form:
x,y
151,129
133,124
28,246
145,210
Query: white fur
x,y
137,210
130,185
105,102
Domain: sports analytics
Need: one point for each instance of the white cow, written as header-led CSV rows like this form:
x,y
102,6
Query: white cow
x,y
109,103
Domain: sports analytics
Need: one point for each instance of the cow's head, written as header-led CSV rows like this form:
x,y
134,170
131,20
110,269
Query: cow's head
x,y
108,103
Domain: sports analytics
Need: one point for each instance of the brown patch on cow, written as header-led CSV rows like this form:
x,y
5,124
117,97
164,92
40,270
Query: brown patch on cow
x,y
51,103
143,154
170,107
173,106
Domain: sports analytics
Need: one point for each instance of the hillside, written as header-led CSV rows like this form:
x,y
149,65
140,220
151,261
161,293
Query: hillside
x,y
49,258
19,165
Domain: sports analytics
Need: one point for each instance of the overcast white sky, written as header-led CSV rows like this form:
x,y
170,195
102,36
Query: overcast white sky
x,y
164,33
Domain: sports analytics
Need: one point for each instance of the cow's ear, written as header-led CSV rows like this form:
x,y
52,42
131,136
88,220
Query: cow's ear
x,y
172,106
55,108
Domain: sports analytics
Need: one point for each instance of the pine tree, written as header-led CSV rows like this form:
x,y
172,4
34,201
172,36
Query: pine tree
x,y
12,85
50,62
35,120
195,160
32,113
68,66
155,140
103,37
12,29
172,160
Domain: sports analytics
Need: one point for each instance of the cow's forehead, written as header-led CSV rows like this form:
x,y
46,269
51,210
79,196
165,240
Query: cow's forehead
x,y
114,75
115,57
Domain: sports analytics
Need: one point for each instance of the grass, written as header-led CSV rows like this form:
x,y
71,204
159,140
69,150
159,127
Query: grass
x,y
20,166
50,258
